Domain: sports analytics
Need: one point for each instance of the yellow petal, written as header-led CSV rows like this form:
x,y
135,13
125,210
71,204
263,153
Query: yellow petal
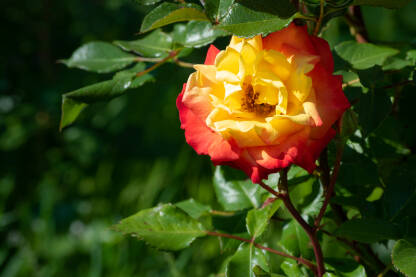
x,y
299,85
228,60
278,64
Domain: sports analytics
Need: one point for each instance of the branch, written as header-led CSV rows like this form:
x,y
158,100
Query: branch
x,y
347,84
156,65
301,260
311,232
331,186
321,17
183,64
355,20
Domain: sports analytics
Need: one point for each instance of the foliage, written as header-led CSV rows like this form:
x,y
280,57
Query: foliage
x,y
60,192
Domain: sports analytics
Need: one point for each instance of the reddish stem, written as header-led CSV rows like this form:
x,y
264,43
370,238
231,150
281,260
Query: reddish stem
x,y
331,186
301,260
317,250
310,231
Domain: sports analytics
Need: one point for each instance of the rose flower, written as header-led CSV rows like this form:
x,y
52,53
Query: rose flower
x,y
263,103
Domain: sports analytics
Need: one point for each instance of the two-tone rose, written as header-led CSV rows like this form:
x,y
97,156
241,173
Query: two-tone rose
x,y
263,103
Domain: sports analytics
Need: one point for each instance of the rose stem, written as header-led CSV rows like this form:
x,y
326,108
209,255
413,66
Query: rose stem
x,y
156,65
301,260
331,185
321,17
310,231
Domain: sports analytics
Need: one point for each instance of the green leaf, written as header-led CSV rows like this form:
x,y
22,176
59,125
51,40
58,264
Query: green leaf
x,y
259,272
292,269
411,56
373,108
131,74
156,44
147,2
399,198
168,13
404,257
315,201
193,208
295,241
74,102
232,223
165,227
101,57
364,55
345,267
217,9
236,194
258,219
349,123
391,4
196,34
102,91
394,63
368,230
71,109
244,260
245,22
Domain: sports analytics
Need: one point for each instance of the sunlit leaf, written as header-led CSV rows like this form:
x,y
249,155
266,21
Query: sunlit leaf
x,y
193,208
245,22
236,194
364,55
168,13
258,219
74,102
196,34
404,257
295,241
101,57
156,44
164,227
216,9
244,260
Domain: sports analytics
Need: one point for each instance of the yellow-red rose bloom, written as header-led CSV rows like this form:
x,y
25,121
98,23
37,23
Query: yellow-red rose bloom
x,y
263,103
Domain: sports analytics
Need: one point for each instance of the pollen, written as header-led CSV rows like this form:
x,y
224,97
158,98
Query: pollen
x,y
249,102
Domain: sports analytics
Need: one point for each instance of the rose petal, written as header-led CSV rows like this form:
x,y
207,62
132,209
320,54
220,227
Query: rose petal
x,y
203,139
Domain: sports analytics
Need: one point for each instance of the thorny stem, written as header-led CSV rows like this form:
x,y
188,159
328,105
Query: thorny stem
x,y
325,180
331,185
321,17
301,260
310,231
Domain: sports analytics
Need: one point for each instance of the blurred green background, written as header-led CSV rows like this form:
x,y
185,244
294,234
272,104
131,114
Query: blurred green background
x,y
60,193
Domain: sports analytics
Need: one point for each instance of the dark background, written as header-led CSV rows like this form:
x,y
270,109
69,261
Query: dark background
x,y
60,193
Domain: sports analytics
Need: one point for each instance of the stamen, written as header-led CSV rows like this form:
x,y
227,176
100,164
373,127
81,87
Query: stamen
x,y
249,102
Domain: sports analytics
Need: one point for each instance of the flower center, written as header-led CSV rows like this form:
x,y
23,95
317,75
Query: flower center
x,y
249,104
